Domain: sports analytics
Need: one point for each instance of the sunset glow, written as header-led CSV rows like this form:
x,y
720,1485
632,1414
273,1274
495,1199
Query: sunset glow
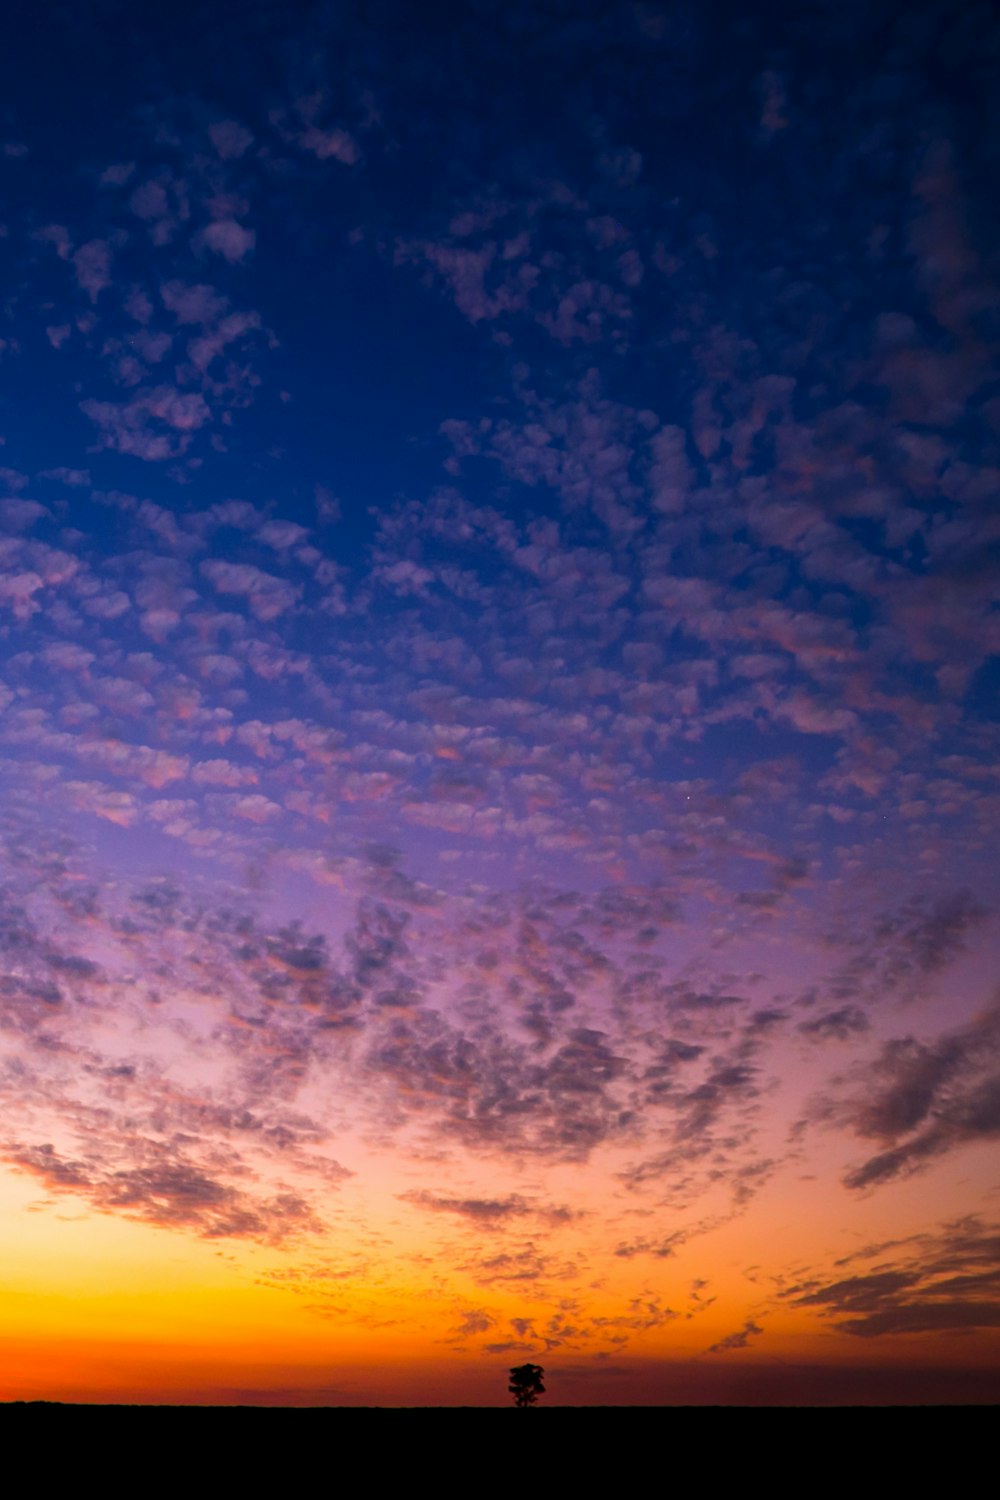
x,y
498,718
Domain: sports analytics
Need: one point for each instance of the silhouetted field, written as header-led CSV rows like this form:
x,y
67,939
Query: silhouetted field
x,y
556,1450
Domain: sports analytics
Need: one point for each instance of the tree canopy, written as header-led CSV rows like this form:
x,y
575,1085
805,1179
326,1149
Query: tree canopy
x,y
526,1384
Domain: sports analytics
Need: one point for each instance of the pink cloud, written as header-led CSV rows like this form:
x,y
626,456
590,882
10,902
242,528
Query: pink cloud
x,y
117,174
193,302
812,717
159,623
204,349
156,768
267,595
119,808
92,263
18,590
56,235
255,809
230,139
228,239
334,143
301,126
129,427
20,515
465,271
223,773
75,477
282,534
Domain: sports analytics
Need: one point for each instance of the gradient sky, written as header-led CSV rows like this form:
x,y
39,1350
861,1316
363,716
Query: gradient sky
x,y
498,717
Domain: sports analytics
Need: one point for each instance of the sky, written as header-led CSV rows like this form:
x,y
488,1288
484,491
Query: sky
x,y
499,569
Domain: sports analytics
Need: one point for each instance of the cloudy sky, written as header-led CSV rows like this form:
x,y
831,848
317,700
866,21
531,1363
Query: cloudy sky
x,y
498,716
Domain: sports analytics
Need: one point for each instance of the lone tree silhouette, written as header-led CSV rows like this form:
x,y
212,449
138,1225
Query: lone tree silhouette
x,y
526,1384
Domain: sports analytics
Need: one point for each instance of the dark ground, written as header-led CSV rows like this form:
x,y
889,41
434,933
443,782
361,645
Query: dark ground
x,y
452,1450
